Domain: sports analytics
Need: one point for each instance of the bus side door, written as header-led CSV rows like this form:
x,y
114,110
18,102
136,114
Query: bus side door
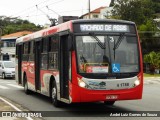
x,y
65,66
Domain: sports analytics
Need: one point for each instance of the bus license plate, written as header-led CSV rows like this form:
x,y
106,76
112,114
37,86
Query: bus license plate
x,y
111,97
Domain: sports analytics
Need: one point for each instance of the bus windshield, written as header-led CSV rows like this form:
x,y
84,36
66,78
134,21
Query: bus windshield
x,y
112,58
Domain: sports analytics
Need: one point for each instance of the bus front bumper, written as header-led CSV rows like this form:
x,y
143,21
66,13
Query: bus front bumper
x,y
86,95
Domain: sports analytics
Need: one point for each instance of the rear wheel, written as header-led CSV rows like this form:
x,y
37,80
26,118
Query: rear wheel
x,y
109,102
3,76
55,102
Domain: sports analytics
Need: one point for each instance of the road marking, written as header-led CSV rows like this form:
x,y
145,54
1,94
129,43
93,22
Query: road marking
x,y
14,107
16,86
3,87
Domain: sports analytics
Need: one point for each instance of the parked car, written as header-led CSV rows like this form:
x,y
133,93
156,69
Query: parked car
x,y
7,69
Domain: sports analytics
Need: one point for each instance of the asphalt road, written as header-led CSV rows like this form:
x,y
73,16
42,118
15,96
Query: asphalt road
x,y
36,102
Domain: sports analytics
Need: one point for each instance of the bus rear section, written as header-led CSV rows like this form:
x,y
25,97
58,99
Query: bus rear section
x,y
82,61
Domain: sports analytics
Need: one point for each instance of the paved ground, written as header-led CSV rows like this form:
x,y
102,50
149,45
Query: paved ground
x,y
11,85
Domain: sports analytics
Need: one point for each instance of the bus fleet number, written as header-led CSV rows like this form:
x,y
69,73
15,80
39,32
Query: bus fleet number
x,y
123,85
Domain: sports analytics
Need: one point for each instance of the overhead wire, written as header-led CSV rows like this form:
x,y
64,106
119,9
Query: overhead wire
x,y
33,11
26,9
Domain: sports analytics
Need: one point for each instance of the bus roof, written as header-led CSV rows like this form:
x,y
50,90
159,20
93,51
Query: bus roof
x,y
46,32
102,21
67,26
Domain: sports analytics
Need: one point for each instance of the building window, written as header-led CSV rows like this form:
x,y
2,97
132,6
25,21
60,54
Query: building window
x,y
95,16
9,44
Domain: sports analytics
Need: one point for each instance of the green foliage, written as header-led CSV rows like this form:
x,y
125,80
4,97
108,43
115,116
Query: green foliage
x,y
153,58
134,10
150,27
12,25
142,12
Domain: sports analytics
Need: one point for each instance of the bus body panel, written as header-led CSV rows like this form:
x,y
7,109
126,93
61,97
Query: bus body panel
x,y
28,70
46,77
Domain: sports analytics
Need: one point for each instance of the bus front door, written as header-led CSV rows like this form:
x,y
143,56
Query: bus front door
x,y
37,65
64,67
19,51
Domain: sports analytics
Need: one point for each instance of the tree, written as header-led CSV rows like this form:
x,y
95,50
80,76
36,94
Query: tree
x,y
142,12
133,10
112,3
154,59
13,24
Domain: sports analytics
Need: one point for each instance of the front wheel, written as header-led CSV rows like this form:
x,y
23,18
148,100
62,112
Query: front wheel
x,y
55,102
109,102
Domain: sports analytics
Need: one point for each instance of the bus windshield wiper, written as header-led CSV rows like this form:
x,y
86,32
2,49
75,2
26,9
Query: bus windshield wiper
x,y
116,45
98,41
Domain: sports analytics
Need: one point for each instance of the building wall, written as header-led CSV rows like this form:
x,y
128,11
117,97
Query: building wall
x,y
8,47
92,16
10,51
106,12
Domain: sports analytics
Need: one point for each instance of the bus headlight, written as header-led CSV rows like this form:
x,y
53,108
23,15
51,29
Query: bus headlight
x,y
81,83
136,83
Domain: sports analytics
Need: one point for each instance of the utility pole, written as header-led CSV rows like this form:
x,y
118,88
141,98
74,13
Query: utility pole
x,y
89,9
1,32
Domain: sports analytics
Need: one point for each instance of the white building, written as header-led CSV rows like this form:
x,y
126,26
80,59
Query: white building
x,y
8,48
99,13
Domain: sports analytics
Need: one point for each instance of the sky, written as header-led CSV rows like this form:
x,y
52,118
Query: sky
x,y
36,11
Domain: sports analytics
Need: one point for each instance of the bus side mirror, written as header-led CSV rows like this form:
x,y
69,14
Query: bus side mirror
x,y
70,43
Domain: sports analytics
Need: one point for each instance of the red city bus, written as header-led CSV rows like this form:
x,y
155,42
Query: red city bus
x,y
82,61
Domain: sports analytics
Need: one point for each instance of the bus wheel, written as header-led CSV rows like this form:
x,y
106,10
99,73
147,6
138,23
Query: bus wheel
x,y
109,102
26,90
3,76
55,102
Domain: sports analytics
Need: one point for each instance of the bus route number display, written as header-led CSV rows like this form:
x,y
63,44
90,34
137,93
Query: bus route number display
x,y
104,28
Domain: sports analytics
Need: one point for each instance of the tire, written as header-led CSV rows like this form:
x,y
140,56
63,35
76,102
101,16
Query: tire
x,y
3,76
110,103
26,90
55,102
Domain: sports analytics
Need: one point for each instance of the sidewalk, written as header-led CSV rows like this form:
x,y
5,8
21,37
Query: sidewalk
x,y
5,107
151,78
10,109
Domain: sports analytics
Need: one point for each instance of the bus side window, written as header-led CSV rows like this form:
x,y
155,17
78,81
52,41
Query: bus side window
x,y
31,53
53,52
44,53
25,51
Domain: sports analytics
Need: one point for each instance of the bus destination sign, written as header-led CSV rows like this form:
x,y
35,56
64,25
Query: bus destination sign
x,y
104,28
